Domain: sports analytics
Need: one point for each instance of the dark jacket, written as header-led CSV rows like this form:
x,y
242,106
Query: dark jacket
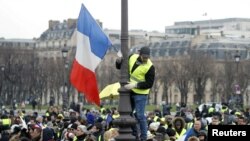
x,y
81,137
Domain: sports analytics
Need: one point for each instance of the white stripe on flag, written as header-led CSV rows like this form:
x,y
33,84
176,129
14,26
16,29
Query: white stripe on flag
x,y
84,55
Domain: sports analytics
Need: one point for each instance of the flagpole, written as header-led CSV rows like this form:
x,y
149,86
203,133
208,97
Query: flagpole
x,y
125,121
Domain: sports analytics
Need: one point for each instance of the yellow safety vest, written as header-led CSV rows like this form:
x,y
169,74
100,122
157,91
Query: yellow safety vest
x,y
6,122
138,75
165,126
104,117
237,113
224,110
102,109
183,131
156,118
211,109
115,116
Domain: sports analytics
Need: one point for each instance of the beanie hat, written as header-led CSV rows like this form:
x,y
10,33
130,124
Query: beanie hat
x,y
48,134
202,133
154,126
83,128
145,51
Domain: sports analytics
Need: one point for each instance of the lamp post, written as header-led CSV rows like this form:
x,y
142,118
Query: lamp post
x,y
65,96
125,121
237,86
2,71
2,68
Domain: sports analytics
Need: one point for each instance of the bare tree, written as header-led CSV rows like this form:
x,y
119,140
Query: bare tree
x,y
229,78
201,70
246,71
164,76
217,80
157,82
181,76
243,78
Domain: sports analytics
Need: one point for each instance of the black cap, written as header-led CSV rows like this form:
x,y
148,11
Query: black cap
x,y
145,51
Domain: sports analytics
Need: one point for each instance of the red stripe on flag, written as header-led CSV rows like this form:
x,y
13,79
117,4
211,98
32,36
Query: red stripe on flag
x,y
85,82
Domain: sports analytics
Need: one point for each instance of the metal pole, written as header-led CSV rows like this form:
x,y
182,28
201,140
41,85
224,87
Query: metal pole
x,y
239,102
238,97
2,82
64,93
125,121
237,68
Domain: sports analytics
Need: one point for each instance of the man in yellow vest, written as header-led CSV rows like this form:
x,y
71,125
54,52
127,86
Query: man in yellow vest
x,y
5,123
141,79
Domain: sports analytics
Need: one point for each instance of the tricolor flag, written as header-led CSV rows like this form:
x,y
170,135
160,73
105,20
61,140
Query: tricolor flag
x,y
92,45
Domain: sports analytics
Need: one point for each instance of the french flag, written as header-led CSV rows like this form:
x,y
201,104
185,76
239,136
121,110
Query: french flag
x,y
92,45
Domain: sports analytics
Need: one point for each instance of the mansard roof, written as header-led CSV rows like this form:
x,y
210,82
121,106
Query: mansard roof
x,y
58,30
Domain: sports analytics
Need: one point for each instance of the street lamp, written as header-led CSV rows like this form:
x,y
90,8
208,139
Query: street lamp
x,y
65,96
2,69
237,86
237,60
125,121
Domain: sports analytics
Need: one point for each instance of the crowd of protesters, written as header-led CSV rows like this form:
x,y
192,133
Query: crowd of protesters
x,y
81,124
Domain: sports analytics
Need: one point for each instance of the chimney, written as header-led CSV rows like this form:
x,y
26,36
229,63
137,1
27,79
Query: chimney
x,y
71,23
221,33
53,24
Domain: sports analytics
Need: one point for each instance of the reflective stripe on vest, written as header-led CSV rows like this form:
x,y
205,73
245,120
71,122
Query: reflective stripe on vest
x,y
189,125
138,75
58,134
156,118
99,138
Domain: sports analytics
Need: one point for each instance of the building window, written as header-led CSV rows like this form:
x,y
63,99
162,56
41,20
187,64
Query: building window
x,y
53,43
60,43
65,44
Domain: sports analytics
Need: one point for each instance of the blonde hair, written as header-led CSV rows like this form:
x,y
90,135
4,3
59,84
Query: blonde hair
x,y
110,134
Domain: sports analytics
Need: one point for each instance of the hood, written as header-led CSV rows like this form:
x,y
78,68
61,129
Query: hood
x,y
180,120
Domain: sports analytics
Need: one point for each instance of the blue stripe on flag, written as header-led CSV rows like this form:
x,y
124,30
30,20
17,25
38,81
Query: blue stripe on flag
x,y
88,26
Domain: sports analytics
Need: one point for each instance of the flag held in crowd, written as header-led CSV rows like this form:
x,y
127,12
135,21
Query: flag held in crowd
x,y
92,45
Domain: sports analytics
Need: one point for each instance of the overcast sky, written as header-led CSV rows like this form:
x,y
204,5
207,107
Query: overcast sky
x,y
29,18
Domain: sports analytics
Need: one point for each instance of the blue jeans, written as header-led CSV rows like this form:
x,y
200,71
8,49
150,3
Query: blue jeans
x,y
138,103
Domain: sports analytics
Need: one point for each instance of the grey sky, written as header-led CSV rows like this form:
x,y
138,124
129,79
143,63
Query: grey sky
x,y
29,18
